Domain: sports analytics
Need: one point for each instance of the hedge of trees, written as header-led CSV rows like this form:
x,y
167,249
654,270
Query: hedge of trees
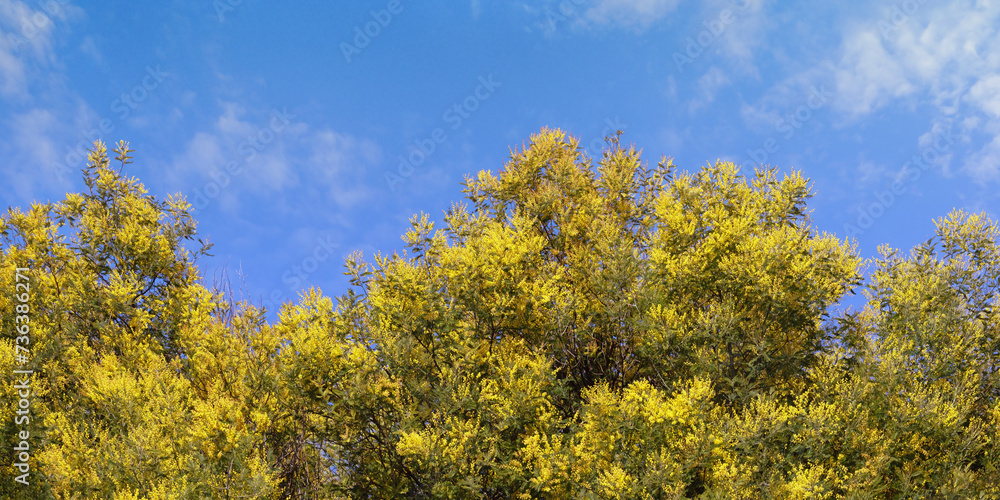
x,y
577,328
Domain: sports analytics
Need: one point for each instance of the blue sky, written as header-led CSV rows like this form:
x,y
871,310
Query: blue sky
x,y
304,132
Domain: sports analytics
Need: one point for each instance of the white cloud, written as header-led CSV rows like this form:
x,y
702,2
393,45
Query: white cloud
x,y
336,162
868,75
32,133
639,14
787,97
673,140
27,35
986,94
984,165
744,35
202,152
26,47
45,148
230,122
709,84
713,80
760,117
30,147
869,173
945,54
936,51
89,47
47,128
237,151
12,79
942,56
266,156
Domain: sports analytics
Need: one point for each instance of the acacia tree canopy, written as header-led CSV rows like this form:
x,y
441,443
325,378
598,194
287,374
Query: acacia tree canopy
x,y
577,328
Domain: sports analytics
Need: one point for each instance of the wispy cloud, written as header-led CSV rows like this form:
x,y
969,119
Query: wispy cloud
x,y
938,51
709,84
337,163
636,14
940,55
918,54
42,115
262,153
868,75
26,47
986,95
746,36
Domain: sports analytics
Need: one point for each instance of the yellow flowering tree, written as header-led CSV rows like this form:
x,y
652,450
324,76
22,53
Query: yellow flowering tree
x,y
138,391
578,328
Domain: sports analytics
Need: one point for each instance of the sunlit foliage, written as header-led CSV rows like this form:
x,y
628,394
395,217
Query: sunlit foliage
x,y
577,328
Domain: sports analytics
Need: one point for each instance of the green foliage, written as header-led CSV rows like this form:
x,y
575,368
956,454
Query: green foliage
x,y
580,328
